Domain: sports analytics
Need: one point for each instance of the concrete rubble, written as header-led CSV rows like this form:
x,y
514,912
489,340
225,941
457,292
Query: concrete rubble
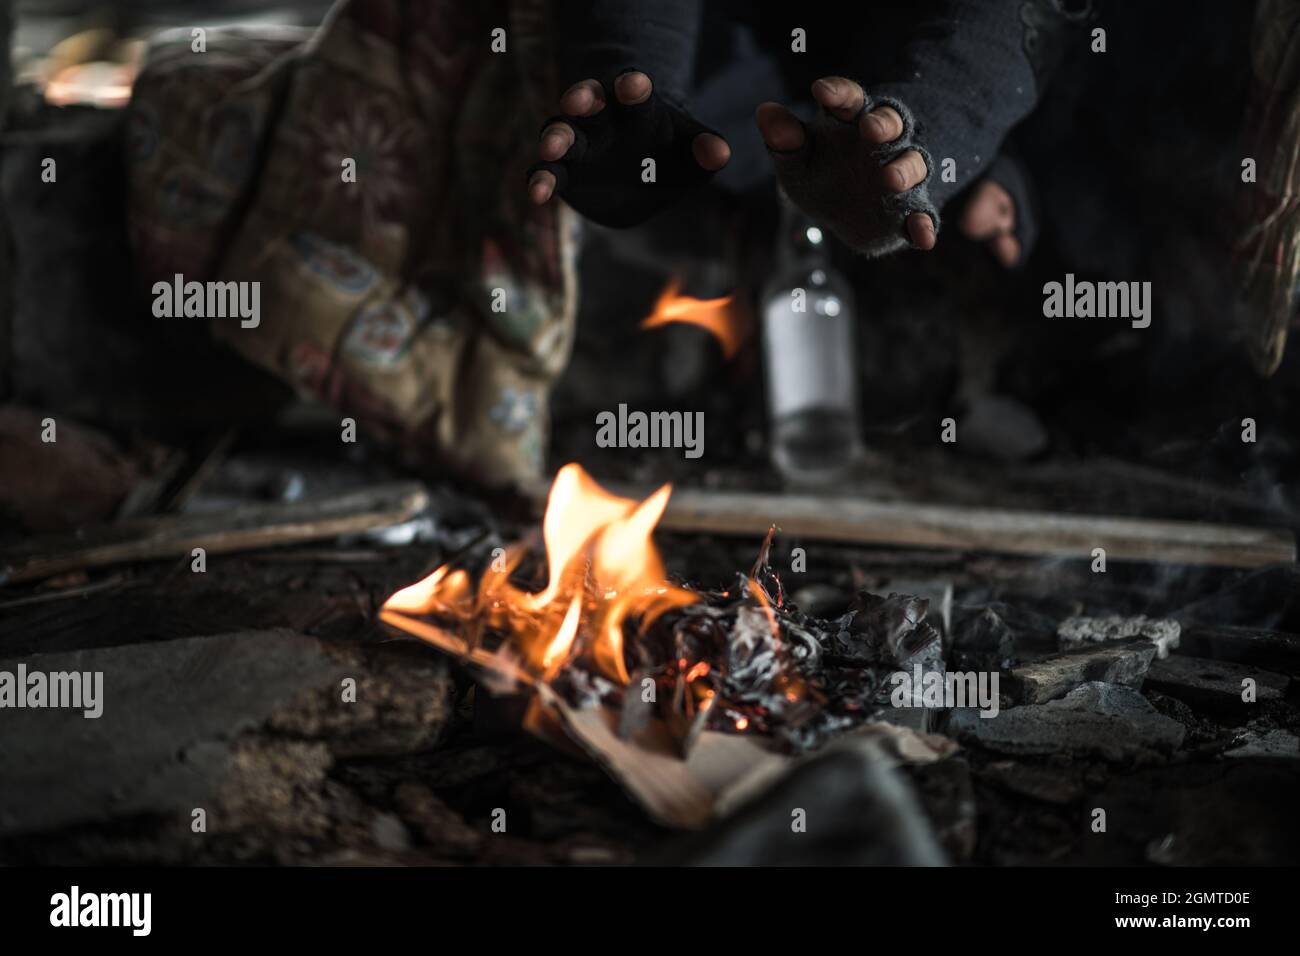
x,y
1110,721
1047,679
1219,686
178,723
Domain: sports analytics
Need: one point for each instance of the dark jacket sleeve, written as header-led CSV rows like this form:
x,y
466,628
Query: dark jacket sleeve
x,y
970,71
601,38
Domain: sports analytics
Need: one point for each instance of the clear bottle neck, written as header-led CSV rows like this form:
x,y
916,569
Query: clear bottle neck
x,y
803,241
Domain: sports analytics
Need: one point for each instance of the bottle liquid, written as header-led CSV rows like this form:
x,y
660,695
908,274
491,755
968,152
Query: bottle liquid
x,y
809,360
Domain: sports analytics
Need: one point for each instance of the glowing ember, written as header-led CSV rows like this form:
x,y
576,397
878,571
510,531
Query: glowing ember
x,y
603,570
722,318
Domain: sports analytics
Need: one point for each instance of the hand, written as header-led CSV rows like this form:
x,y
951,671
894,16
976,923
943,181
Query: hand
x,y
593,156
990,218
842,170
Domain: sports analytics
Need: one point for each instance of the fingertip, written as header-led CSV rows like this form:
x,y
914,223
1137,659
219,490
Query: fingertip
x,y
555,142
881,125
1006,249
780,129
583,98
841,96
920,229
540,187
824,91
576,101
633,88
711,151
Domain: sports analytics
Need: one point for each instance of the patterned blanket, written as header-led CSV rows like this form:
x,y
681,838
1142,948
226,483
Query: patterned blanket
x,y
367,176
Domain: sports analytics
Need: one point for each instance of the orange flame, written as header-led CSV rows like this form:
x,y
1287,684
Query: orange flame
x,y
765,606
439,591
602,568
576,511
557,652
720,317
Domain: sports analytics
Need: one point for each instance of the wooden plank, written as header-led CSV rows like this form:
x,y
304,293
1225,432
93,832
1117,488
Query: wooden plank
x,y
979,529
247,528
911,524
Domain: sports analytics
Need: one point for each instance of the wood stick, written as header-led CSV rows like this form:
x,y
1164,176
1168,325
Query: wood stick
x,y
1048,534
246,528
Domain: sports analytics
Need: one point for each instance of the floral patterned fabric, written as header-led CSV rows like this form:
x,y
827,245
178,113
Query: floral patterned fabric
x,y
428,298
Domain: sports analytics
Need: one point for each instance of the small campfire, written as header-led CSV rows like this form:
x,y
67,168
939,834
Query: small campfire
x,y
609,631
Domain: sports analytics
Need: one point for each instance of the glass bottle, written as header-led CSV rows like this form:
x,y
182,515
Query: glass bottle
x,y
809,360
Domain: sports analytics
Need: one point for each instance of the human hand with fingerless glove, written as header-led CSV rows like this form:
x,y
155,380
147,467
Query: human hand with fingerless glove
x,y
594,156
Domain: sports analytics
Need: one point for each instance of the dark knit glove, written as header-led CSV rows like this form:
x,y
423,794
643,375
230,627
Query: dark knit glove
x,y
604,173
832,179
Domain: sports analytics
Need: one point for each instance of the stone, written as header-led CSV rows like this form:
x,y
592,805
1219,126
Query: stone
x,y
1102,698
994,635
1110,721
1214,685
243,725
1076,632
164,743
1272,743
403,701
1049,678
390,833
983,642
999,427
948,798
857,810
1045,784
438,824
1253,646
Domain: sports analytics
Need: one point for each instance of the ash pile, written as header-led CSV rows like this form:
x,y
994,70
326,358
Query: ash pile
x,y
748,660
